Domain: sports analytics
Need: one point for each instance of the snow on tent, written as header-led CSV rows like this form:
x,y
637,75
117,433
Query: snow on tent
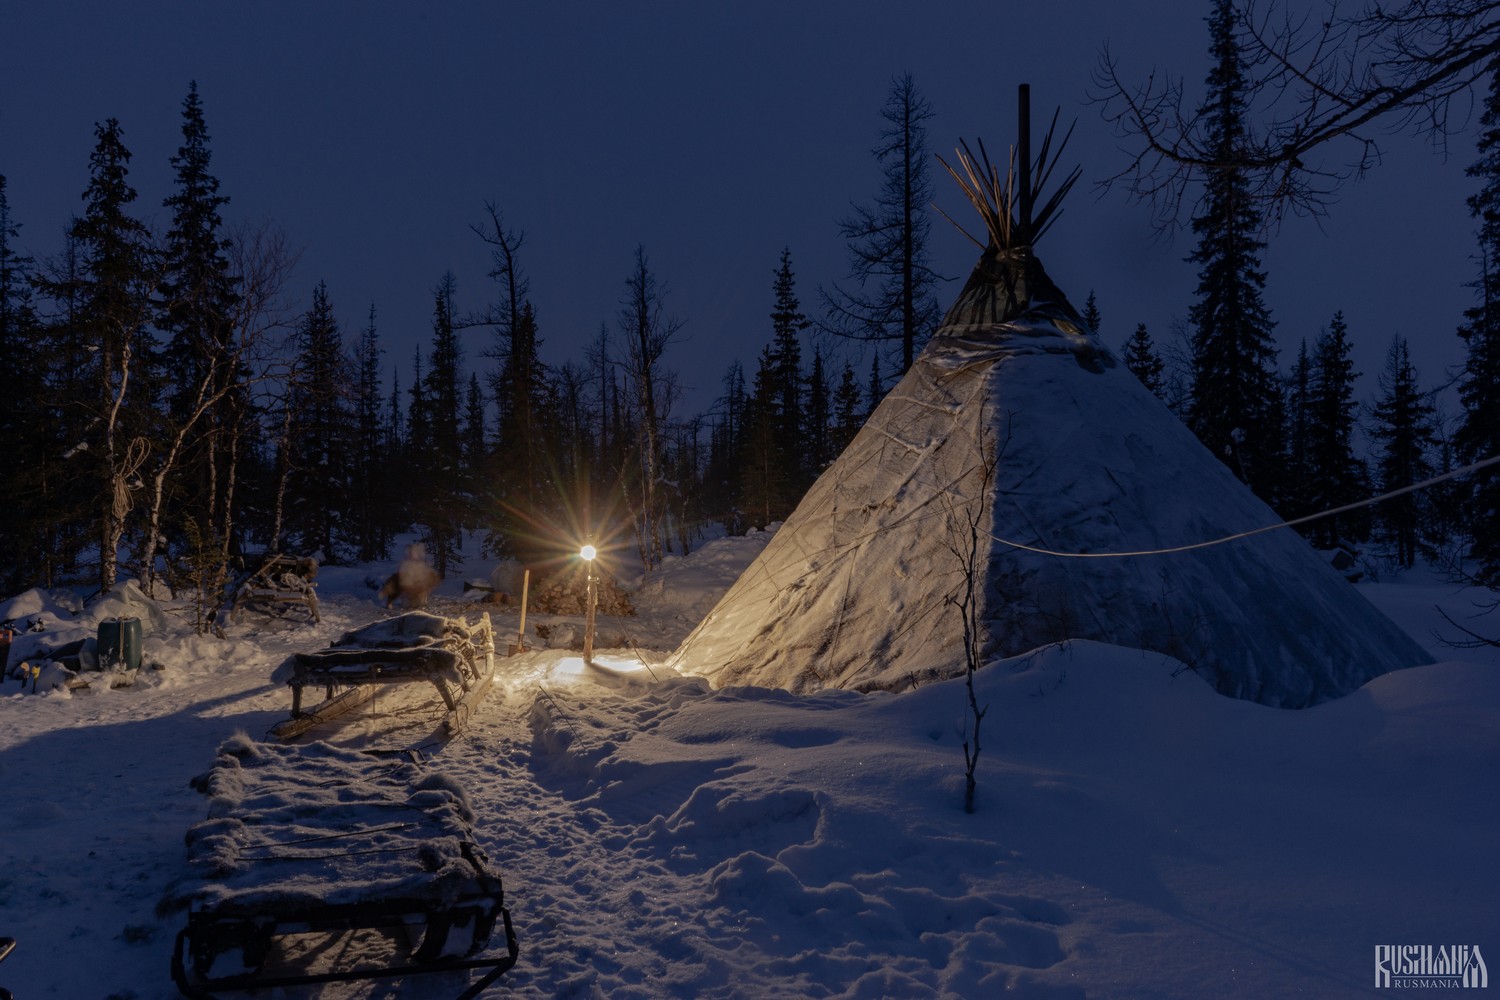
x,y
1016,419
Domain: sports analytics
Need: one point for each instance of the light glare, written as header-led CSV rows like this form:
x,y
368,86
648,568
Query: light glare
x,y
588,552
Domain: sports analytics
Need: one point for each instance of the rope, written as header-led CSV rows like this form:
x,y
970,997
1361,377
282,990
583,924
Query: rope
x,y
1493,460
635,650
562,712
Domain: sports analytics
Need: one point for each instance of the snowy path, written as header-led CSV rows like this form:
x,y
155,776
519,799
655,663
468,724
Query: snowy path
x,y
1137,836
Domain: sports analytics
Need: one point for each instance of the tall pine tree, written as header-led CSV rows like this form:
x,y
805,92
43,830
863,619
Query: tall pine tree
x,y
105,298
889,262
198,287
789,430
27,478
371,530
726,445
1478,435
763,476
318,494
1236,408
204,368
441,507
1402,424
819,419
1300,494
1338,476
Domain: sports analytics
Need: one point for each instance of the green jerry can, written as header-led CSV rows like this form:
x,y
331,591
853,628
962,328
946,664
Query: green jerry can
x,y
120,644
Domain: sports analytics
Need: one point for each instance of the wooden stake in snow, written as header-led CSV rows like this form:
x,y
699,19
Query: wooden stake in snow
x,y
589,552
525,597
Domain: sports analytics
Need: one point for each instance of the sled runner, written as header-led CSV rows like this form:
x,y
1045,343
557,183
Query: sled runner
x,y
455,657
321,865
281,583
7,945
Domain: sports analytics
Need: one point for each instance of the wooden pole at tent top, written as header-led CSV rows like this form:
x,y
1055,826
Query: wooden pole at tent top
x,y
1023,148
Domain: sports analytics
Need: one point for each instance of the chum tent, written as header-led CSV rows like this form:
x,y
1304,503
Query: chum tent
x,y
1016,419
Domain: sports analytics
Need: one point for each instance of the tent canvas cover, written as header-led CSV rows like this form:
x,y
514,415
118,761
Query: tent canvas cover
x,y
1017,419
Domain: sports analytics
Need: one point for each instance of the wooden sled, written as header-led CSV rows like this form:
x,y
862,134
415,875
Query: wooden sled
x,y
456,658
281,583
328,865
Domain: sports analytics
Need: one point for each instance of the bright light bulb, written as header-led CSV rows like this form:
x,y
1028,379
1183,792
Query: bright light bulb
x,y
588,552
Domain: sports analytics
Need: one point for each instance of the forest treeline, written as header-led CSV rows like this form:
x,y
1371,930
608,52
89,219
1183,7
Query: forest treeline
x,y
172,408
1293,434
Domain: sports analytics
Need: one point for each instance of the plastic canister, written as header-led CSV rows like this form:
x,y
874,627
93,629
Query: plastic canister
x,y
120,643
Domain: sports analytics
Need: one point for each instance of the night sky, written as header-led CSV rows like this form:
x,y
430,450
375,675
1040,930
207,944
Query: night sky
x,y
713,135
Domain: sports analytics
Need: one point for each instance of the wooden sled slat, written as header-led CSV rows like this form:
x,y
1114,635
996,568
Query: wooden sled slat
x,y
326,711
391,874
457,658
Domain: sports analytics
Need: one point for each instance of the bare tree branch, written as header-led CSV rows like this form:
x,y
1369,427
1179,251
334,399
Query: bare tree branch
x,y
1322,88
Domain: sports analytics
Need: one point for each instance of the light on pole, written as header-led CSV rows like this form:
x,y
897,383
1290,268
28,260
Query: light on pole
x,y
588,553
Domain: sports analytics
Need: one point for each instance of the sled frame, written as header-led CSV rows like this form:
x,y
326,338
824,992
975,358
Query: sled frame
x,y
461,671
210,934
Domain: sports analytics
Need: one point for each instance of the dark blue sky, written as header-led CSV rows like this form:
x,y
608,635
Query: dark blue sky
x,y
713,135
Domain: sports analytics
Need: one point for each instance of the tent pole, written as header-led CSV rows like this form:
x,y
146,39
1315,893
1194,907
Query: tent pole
x,y
1024,148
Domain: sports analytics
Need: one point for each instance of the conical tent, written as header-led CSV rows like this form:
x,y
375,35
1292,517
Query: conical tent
x,y
1016,419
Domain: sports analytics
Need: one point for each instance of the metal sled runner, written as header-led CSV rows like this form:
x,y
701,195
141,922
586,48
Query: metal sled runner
x,y
457,658
327,865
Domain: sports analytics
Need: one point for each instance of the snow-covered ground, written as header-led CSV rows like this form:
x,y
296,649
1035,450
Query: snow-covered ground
x,y
1136,835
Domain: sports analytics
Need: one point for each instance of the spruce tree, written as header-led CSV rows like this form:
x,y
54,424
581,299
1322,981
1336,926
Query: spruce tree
x,y
198,288
395,425
70,384
18,327
819,417
417,454
848,413
1402,424
1300,494
105,315
441,509
1144,363
1091,318
1478,434
1338,476
370,452
790,432
572,436
1235,408
318,493
474,426
27,478
726,451
204,370
763,477
522,480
